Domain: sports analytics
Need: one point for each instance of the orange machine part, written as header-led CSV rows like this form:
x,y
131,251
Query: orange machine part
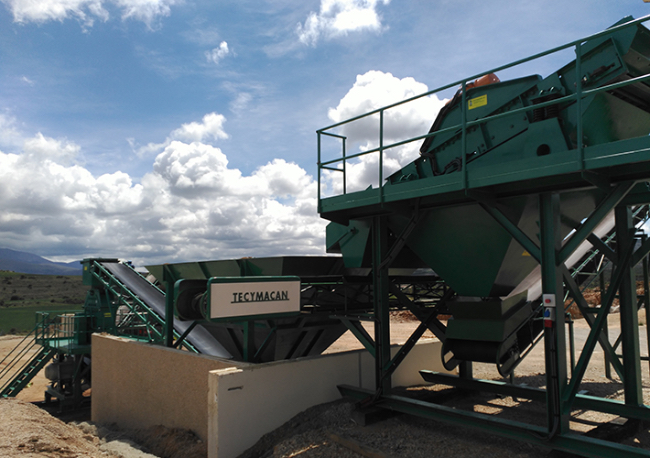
x,y
484,81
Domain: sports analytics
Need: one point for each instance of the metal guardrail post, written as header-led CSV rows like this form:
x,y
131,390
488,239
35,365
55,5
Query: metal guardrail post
x,y
579,105
169,279
318,164
646,297
463,141
381,156
345,178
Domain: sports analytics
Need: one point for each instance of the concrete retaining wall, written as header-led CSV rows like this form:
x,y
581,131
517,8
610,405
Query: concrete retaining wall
x,y
137,385
246,403
231,405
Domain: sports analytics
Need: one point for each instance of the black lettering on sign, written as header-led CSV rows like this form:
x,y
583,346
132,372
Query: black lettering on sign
x,y
259,296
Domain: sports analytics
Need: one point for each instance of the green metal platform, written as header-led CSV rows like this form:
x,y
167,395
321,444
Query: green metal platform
x,y
512,179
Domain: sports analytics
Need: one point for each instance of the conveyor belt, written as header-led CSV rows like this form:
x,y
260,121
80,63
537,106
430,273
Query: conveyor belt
x,y
533,282
199,337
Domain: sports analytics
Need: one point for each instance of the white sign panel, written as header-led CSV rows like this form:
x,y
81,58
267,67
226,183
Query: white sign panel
x,y
253,298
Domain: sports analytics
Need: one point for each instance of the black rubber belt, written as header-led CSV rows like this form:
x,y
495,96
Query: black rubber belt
x,y
199,337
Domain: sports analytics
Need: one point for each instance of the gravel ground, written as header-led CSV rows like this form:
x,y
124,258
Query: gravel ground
x,y
28,431
329,431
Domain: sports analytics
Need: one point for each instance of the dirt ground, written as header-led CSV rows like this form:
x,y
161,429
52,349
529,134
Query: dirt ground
x,y
328,430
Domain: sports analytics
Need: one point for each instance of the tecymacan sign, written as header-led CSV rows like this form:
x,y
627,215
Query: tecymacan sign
x,y
247,296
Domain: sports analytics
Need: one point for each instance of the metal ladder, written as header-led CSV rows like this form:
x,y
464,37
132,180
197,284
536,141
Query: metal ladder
x,y
22,364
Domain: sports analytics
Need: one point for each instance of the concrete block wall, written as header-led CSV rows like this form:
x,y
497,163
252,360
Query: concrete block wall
x,y
246,403
228,404
138,385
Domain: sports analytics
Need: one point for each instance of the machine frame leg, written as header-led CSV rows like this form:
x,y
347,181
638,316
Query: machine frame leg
x,y
554,334
381,287
629,312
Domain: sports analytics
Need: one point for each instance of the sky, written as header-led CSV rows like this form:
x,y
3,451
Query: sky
x,y
183,130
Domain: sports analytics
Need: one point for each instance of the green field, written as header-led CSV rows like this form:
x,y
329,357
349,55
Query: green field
x,y
22,295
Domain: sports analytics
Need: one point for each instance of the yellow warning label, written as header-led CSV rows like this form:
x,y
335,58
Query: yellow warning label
x,y
107,314
476,102
525,253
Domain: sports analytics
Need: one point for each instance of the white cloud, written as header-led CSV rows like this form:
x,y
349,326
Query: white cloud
x,y
339,17
42,148
371,91
210,128
10,135
86,11
241,102
216,54
190,206
146,11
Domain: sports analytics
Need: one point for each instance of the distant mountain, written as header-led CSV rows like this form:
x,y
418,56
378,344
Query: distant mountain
x,y
28,263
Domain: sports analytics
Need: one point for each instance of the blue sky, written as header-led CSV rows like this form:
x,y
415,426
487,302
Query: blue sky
x,y
168,130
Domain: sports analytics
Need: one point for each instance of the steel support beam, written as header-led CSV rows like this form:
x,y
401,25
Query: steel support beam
x,y
601,318
568,442
629,312
434,324
641,253
513,230
249,341
554,335
408,346
602,337
583,402
646,297
169,278
606,205
356,328
380,297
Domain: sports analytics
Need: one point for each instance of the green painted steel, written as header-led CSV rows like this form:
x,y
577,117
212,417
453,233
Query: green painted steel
x,y
512,177
520,136
573,443
26,373
629,312
304,266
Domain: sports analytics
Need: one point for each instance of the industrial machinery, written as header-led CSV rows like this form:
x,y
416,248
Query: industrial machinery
x,y
516,180
522,189
254,310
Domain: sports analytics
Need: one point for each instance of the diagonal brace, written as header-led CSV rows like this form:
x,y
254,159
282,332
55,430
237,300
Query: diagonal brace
x,y
397,246
408,346
434,325
603,248
516,233
641,253
360,333
602,210
621,269
582,305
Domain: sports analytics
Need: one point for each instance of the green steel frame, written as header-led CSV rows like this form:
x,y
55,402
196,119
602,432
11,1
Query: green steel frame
x,y
57,336
141,322
584,164
618,169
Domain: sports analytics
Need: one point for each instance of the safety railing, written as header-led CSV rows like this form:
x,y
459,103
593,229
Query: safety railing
x,y
17,358
339,164
63,329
